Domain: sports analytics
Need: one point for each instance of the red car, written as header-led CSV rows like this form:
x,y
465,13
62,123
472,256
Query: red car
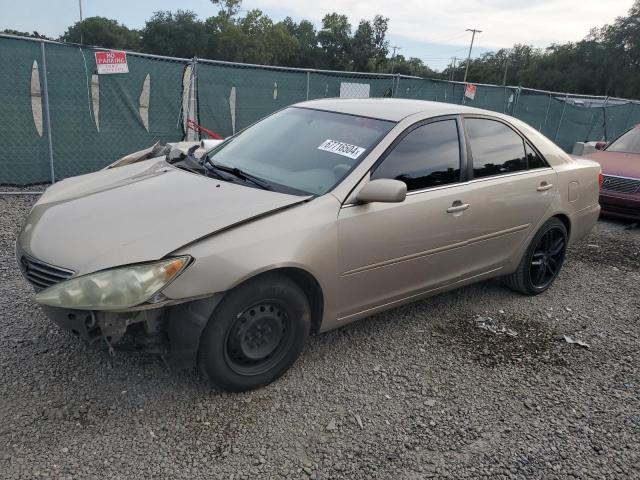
x,y
620,161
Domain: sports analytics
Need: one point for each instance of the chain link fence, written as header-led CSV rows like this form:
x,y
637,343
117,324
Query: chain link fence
x,y
59,118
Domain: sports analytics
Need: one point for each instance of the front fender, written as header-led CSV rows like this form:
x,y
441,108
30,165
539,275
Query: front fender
x,y
304,237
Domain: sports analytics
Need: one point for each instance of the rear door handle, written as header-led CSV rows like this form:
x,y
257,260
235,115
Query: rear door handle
x,y
458,207
544,187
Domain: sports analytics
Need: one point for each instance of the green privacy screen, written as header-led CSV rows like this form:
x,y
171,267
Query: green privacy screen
x,y
81,144
96,119
232,97
24,154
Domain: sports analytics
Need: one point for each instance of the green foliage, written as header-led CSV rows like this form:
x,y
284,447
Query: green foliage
x,y
362,48
178,35
18,33
369,46
606,62
335,41
407,66
102,32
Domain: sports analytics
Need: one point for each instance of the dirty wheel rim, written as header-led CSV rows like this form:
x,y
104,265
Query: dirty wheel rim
x,y
258,339
547,258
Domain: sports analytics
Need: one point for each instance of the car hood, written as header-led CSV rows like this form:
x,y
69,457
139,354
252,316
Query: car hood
x,y
136,213
617,163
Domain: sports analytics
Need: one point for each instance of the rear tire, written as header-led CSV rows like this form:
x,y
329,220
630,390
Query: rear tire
x,y
255,334
542,261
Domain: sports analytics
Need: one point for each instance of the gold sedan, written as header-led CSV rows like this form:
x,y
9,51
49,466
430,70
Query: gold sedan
x,y
320,214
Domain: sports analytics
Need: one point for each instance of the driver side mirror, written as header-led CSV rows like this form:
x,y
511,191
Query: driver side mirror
x,y
383,190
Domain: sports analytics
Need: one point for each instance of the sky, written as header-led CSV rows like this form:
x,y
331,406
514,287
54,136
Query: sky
x,y
433,30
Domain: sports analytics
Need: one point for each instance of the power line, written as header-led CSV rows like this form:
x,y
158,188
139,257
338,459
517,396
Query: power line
x,y
445,39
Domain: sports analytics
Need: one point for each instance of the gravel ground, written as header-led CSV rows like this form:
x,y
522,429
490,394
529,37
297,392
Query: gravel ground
x,y
417,392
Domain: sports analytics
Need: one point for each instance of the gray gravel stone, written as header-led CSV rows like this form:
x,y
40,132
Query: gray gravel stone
x,y
437,396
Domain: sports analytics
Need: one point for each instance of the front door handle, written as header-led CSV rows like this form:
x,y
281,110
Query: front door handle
x,y
544,186
458,206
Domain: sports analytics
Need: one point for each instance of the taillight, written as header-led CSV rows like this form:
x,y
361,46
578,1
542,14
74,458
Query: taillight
x,y
600,179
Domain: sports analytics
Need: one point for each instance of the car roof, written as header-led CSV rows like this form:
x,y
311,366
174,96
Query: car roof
x,y
397,109
393,109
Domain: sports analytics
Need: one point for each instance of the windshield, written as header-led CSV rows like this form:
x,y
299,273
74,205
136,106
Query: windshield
x,y
306,151
627,143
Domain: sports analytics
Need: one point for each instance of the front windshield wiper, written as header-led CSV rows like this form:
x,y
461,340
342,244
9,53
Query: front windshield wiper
x,y
237,172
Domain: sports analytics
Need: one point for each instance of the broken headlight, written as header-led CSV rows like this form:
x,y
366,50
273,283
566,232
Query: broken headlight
x,y
114,289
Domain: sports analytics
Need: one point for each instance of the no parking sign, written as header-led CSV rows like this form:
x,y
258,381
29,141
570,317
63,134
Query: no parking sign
x,y
470,91
112,61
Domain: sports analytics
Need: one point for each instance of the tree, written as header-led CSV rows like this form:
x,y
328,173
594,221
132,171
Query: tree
x,y
335,41
307,53
363,48
369,46
18,33
409,66
178,35
605,62
102,32
228,8
284,49
380,43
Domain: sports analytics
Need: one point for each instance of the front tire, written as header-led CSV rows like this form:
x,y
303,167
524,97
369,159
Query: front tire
x,y
541,263
255,334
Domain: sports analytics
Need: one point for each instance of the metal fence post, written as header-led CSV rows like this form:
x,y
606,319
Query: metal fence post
x,y
194,93
504,100
546,115
515,102
555,138
47,118
397,85
308,75
604,119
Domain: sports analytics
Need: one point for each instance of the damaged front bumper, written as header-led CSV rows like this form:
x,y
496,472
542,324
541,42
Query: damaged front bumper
x,y
108,329
171,331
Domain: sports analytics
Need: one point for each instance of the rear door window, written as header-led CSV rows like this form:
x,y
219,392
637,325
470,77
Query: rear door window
x,y
533,159
496,149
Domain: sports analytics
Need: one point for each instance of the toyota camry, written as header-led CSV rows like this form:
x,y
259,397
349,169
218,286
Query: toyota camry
x,y
320,214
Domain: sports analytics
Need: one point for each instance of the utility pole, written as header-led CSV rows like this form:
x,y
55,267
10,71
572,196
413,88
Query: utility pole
x,y
80,7
506,67
393,58
453,68
473,36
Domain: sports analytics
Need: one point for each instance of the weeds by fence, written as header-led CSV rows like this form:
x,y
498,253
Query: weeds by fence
x,y
59,118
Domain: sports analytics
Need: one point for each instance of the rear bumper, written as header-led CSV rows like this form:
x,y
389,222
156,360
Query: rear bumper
x,y
621,205
583,221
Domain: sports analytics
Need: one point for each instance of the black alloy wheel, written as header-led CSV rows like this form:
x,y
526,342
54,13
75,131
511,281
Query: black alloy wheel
x,y
542,260
548,257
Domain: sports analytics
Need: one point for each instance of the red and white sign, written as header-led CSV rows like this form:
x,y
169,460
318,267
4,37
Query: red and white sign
x,y
112,61
470,91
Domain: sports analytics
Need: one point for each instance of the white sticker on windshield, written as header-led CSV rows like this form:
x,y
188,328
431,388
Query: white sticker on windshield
x,y
341,148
